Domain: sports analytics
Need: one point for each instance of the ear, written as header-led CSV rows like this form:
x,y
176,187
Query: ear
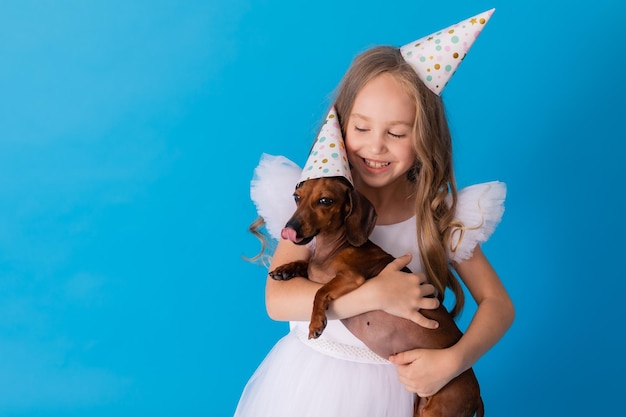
x,y
360,218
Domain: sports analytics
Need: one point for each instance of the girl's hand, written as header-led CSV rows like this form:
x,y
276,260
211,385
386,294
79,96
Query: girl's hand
x,y
426,371
404,294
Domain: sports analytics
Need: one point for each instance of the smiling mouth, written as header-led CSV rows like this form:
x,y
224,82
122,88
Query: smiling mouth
x,y
376,164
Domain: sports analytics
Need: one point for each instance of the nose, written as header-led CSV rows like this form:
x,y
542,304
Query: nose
x,y
378,143
294,223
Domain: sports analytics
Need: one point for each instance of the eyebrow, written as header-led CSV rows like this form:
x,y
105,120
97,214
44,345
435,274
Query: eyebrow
x,y
393,122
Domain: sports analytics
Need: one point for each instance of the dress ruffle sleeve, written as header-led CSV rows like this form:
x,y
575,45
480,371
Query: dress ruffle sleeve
x,y
479,208
271,190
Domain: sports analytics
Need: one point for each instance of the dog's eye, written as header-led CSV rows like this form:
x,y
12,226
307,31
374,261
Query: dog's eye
x,y
296,198
324,201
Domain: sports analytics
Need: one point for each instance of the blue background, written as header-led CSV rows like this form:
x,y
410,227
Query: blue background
x,y
129,132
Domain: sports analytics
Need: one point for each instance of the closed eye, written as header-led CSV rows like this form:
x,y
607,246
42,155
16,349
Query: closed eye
x,y
395,135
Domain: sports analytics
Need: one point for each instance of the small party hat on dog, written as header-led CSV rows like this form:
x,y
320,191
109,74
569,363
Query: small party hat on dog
x,y
328,157
436,57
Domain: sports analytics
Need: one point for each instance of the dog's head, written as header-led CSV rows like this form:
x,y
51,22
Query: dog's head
x,y
329,206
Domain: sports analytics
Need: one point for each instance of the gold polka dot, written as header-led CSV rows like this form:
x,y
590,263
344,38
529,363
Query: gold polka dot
x,y
437,66
482,20
324,161
455,55
331,116
451,31
332,145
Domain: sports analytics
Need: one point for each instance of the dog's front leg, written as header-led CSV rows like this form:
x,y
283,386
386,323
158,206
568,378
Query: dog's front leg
x,y
342,283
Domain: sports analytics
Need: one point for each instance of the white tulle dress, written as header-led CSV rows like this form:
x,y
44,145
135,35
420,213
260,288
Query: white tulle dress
x,y
336,375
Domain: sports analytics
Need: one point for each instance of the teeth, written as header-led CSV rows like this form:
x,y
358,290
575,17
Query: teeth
x,y
374,164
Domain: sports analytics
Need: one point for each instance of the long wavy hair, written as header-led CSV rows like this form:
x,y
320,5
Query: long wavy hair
x,y
432,176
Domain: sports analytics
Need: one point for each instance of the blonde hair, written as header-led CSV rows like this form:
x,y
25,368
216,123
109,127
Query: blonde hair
x,y
433,174
263,257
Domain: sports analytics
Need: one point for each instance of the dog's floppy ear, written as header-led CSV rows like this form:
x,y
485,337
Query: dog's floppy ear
x,y
360,218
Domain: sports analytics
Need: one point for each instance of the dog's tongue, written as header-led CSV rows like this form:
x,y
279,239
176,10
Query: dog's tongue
x,y
290,234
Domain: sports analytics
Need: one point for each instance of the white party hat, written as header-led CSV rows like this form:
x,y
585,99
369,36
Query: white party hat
x,y
436,57
328,157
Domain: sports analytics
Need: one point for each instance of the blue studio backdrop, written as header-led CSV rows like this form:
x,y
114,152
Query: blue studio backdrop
x,y
129,132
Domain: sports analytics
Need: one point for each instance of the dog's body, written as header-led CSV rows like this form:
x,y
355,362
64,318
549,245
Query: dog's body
x,y
341,220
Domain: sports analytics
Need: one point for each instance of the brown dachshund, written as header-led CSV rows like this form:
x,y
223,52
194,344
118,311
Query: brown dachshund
x,y
341,220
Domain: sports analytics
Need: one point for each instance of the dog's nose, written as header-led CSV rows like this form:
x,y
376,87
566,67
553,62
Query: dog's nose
x,y
294,224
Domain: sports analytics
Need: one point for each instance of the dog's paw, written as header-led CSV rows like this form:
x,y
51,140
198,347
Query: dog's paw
x,y
290,270
316,327
281,274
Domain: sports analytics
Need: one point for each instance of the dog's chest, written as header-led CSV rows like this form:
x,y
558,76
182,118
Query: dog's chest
x,y
326,269
321,272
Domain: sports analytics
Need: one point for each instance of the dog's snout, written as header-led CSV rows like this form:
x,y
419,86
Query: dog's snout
x,y
295,224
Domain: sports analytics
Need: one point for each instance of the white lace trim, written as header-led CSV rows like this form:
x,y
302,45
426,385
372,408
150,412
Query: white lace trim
x,y
340,350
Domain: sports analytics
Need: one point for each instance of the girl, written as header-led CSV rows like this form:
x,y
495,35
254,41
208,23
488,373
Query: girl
x,y
399,148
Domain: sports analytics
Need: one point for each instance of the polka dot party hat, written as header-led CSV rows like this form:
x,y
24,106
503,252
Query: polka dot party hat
x,y
328,157
436,57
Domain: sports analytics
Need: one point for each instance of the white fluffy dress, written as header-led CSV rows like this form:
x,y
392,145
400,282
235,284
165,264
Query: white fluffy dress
x,y
336,375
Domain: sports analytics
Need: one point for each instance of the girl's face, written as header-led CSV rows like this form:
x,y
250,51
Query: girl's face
x,y
379,133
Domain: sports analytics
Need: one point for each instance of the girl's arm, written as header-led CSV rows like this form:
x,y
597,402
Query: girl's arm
x,y
393,291
426,371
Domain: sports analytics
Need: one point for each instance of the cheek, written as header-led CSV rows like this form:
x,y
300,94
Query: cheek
x,y
405,151
351,145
